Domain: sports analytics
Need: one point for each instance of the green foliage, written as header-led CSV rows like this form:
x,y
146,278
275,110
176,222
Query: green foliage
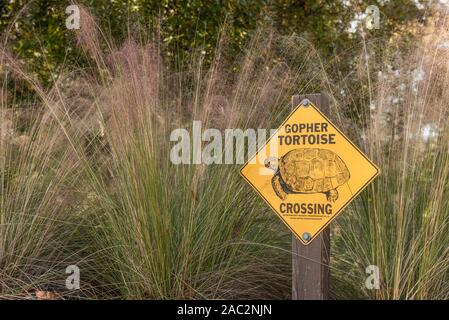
x,y
37,33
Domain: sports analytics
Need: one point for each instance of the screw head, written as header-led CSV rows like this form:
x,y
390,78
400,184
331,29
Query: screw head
x,y
306,236
305,102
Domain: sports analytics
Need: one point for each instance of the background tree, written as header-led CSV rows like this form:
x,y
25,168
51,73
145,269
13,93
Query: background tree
x,y
37,33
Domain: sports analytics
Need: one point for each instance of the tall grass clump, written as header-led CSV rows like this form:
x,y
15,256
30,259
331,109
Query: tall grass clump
x,y
162,230
89,180
38,175
401,223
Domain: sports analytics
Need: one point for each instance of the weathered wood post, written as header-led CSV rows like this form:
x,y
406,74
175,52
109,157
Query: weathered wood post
x,y
310,264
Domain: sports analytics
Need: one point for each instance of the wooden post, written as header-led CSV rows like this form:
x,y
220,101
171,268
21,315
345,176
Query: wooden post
x,y
310,264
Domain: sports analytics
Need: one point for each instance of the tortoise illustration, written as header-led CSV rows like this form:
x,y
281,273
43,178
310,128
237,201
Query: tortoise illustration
x,y
308,170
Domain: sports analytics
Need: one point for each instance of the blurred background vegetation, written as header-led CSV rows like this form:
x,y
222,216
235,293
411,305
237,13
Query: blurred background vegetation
x,y
37,34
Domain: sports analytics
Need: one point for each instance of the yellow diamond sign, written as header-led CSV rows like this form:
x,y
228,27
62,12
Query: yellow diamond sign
x,y
308,171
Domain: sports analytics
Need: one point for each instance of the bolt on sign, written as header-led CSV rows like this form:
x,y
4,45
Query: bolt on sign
x,y
308,171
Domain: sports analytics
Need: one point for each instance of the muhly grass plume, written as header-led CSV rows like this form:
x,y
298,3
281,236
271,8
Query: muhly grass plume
x,y
37,178
400,224
146,228
187,231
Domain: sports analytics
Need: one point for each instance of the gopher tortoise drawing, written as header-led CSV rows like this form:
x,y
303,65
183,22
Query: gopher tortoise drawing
x,y
308,170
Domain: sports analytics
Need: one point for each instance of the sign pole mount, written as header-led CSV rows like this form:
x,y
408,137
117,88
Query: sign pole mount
x,y
308,172
310,263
